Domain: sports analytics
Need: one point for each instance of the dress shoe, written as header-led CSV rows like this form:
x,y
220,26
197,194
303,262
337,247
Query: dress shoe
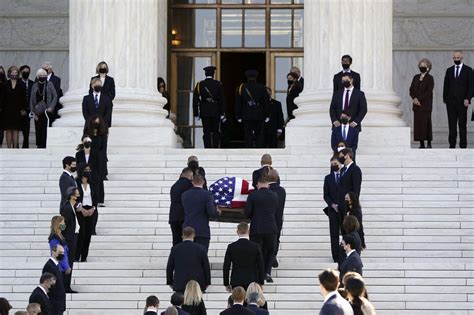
x,y
275,263
268,278
71,291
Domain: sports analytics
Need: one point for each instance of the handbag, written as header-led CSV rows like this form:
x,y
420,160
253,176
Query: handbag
x,y
41,106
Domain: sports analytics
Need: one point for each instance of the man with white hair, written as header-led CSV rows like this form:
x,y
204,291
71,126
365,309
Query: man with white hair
x,y
48,67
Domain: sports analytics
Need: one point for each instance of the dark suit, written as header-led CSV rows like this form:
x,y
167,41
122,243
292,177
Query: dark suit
x,y
87,224
455,91
336,305
276,123
237,309
57,86
281,193
26,119
198,207
350,263
65,181
70,235
176,215
208,104
292,93
38,296
57,294
257,174
351,181
257,310
352,138
252,106
337,80
261,208
247,264
188,261
357,106
107,88
104,110
331,188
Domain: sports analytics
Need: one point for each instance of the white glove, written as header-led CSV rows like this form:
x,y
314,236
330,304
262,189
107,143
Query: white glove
x,y
239,120
267,120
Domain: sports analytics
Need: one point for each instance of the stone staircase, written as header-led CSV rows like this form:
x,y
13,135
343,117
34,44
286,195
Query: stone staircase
x,y
418,218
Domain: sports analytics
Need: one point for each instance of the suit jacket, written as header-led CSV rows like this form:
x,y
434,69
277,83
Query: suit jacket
x,y
456,90
57,294
351,263
57,85
337,81
237,309
276,117
65,181
256,176
38,296
330,189
176,207
336,305
352,138
188,261
351,180
96,159
69,214
94,196
179,309
104,110
261,208
247,263
423,91
357,106
253,107
198,207
208,99
107,88
281,193
257,310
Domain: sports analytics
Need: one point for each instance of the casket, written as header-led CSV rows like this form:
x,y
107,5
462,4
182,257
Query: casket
x,y
231,215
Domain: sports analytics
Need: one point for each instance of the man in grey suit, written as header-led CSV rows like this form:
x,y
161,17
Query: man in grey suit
x,y
67,179
334,303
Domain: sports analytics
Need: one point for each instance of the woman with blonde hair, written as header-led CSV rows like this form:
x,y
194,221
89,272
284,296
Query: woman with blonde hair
x,y
254,287
13,106
193,302
56,238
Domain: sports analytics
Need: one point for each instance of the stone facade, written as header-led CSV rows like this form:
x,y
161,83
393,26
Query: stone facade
x,y
33,31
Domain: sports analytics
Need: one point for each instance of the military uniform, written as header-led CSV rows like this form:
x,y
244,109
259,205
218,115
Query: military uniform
x,y
251,108
208,104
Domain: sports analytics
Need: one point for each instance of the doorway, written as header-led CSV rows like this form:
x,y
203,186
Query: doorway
x,y
232,73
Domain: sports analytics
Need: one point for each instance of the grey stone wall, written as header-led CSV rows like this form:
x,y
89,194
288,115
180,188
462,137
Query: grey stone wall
x,y
431,29
33,31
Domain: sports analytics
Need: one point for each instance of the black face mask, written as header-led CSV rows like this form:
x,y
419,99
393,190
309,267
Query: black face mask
x,y
345,66
73,169
342,159
13,77
423,69
290,82
102,70
60,257
457,62
97,88
86,174
87,144
334,168
344,120
96,125
42,79
25,75
346,83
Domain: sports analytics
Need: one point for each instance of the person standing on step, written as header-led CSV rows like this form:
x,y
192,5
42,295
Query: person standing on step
x,y
261,207
188,261
246,260
352,260
274,128
176,215
346,62
293,91
252,109
353,208
331,187
193,300
281,193
40,293
199,207
265,166
351,180
333,303
56,238
25,71
457,94
300,79
57,293
56,81
208,105
67,179
345,133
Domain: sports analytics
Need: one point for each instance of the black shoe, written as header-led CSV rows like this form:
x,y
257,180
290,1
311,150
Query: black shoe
x,y
84,260
71,291
429,146
268,278
275,263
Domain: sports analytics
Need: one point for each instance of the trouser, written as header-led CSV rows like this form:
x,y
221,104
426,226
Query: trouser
x,y
267,243
41,130
204,241
100,191
71,244
85,235
273,259
211,133
253,133
2,133
177,230
25,130
457,116
334,231
271,139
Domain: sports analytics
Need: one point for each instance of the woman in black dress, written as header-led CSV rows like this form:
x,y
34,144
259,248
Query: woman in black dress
x,y
3,79
294,90
353,208
14,107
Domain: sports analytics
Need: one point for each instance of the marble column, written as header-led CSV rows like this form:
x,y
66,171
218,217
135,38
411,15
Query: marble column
x,y
130,35
362,29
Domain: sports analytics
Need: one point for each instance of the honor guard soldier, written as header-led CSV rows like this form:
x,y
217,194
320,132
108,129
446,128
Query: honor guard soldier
x,y
208,105
251,108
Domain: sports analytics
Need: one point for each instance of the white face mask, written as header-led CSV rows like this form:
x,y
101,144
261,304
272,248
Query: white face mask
x,y
339,149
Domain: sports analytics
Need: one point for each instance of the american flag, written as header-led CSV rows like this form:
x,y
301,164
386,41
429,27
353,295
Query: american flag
x,y
230,192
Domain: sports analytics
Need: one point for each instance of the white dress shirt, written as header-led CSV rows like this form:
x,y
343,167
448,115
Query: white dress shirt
x,y
460,68
344,131
87,197
44,290
349,253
